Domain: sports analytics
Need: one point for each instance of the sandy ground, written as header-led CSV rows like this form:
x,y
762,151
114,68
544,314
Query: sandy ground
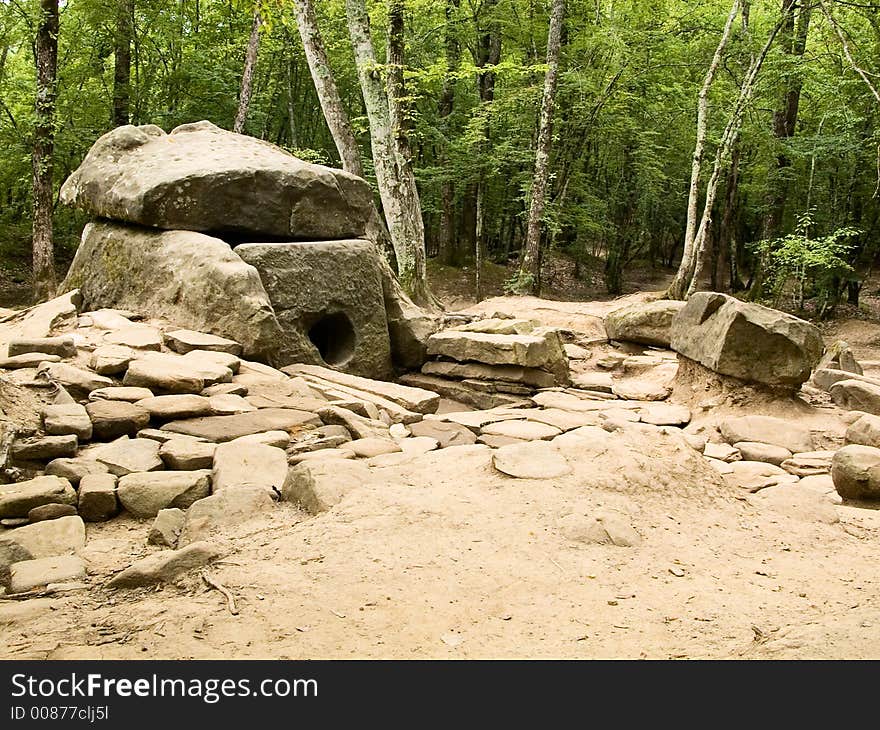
x,y
444,557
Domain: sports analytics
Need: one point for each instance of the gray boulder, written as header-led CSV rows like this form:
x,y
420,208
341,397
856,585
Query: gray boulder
x,y
648,323
746,341
856,472
857,395
202,178
337,318
188,278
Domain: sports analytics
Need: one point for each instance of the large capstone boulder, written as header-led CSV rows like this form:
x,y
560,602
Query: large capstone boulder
x,y
202,178
327,297
191,279
746,341
648,323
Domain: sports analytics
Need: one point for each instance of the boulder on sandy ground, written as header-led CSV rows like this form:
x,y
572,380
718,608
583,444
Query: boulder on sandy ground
x,y
522,430
369,447
187,454
498,326
188,278
602,527
721,452
337,318
249,465
42,539
129,456
63,347
418,445
97,497
202,178
144,494
165,565
857,395
30,574
641,389
166,528
865,431
317,485
114,418
648,323
753,476
43,448
665,414
746,341
756,451
16,500
445,433
227,428
856,472
767,430
358,426
809,463
223,510
839,356
174,374
70,418
793,501
39,320
531,460
74,469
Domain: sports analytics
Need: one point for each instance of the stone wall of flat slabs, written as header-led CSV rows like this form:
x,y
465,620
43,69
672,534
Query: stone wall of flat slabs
x,y
327,297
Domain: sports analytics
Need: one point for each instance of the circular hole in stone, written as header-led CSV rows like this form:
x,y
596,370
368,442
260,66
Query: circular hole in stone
x,y
334,336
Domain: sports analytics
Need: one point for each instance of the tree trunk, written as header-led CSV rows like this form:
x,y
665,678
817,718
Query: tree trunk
x,y
448,250
336,116
122,63
46,61
247,76
785,117
722,154
413,273
679,285
404,222
530,267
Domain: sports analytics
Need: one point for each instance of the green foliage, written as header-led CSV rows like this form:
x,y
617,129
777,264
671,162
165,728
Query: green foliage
x,y
805,265
520,283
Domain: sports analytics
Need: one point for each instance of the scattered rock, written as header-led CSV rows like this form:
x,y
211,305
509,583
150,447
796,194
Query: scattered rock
x,y
792,500
279,439
839,356
523,430
809,463
665,414
30,574
855,470
767,430
63,347
166,528
111,359
184,341
72,418
43,539
604,527
128,394
169,407
97,497
756,451
532,460
44,448
187,454
227,428
137,337
721,452
318,485
50,512
226,509
648,323
114,418
27,360
249,465
418,445
864,431
73,378
445,433
128,456
144,494
534,377
753,476
16,500
74,469
638,389
857,395
165,565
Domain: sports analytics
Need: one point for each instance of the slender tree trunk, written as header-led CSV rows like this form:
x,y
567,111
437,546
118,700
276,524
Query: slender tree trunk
x,y
415,277
785,118
46,61
722,155
448,249
531,262
396,192
122,63
679,285
247,76
335,114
